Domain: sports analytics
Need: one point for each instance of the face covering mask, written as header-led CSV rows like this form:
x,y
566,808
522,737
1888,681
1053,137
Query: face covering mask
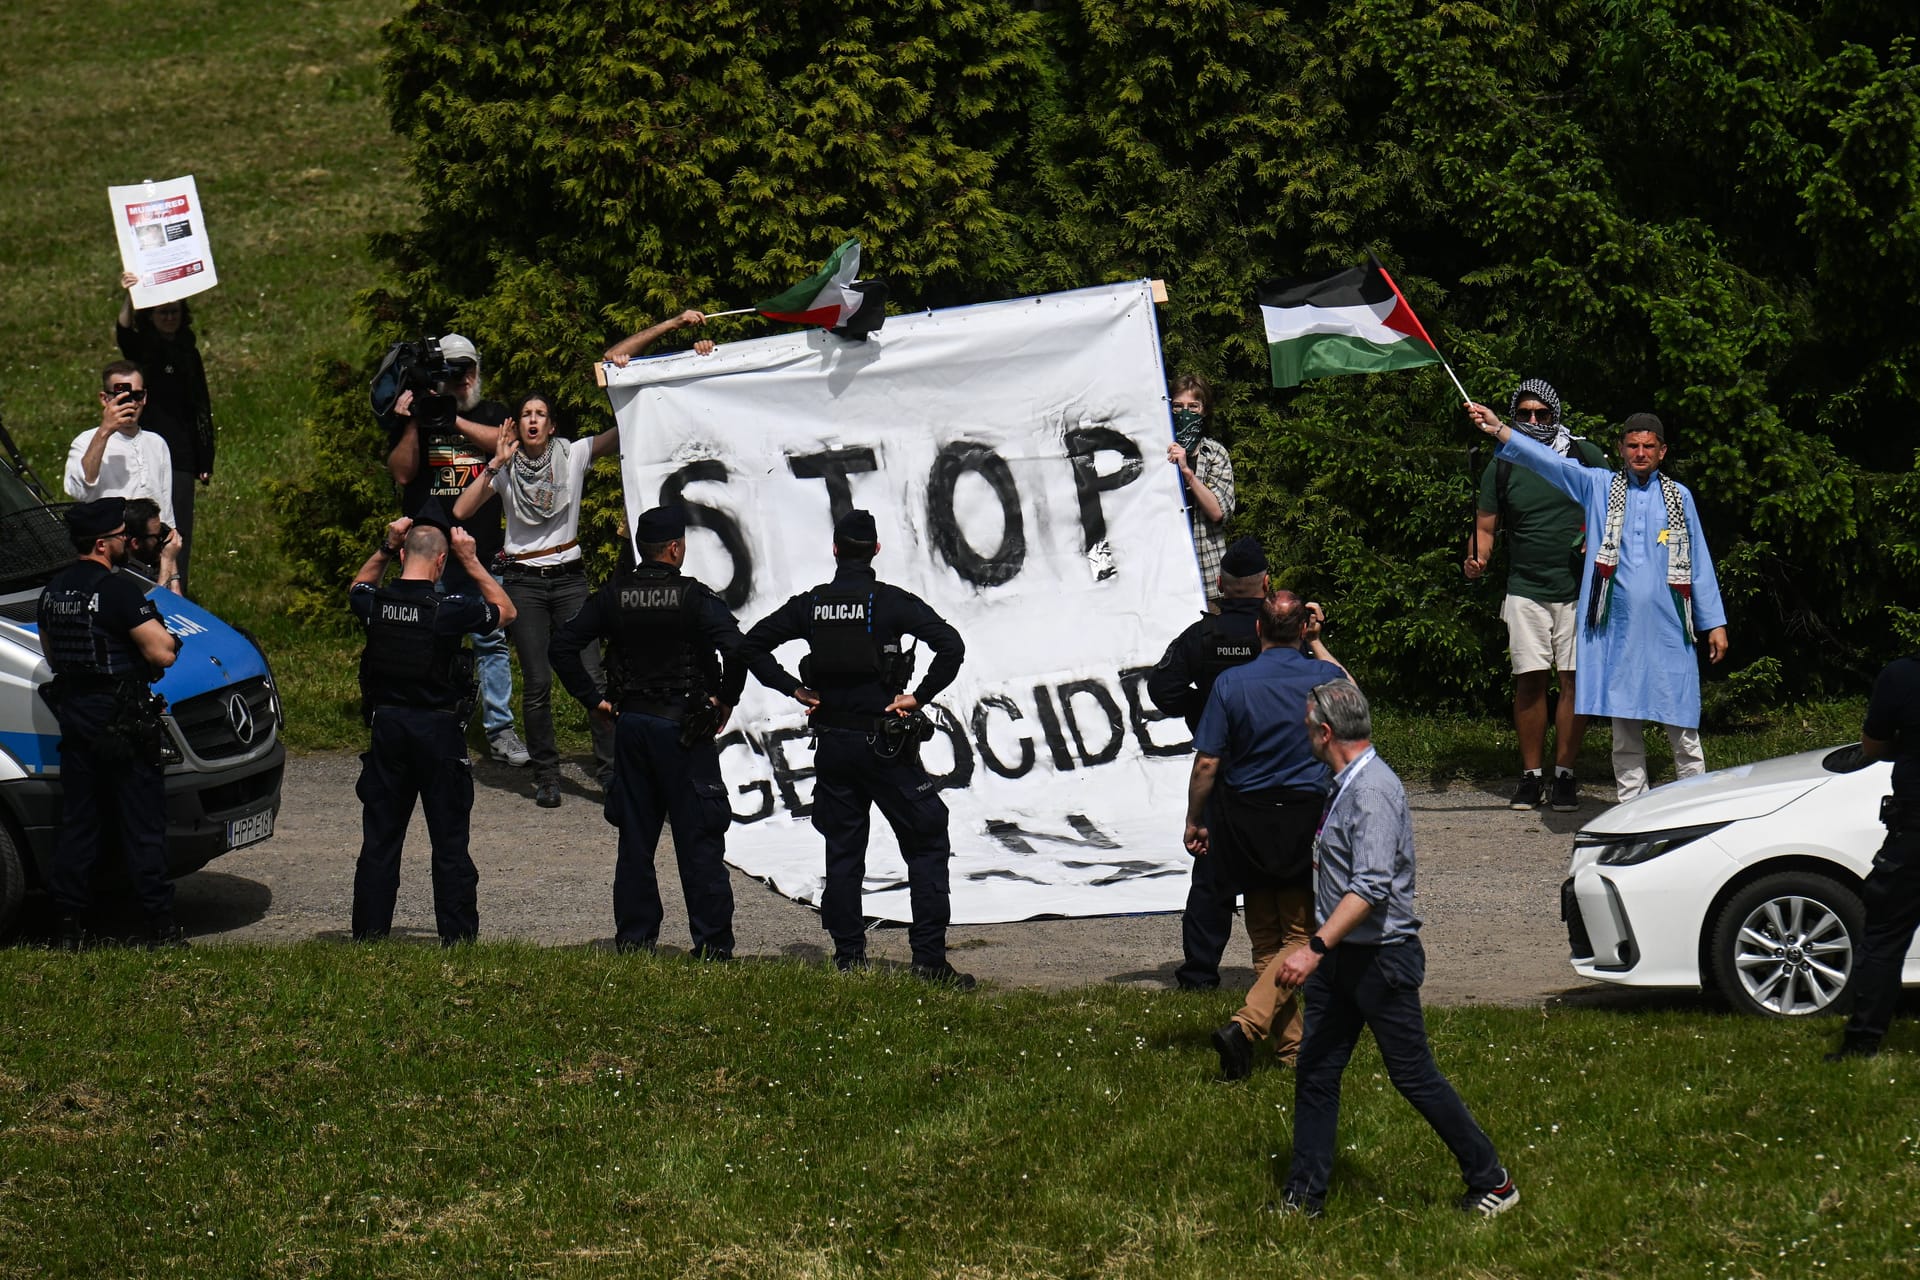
x,y
1189,425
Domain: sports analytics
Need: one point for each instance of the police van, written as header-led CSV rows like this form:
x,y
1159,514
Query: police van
x,y
223,754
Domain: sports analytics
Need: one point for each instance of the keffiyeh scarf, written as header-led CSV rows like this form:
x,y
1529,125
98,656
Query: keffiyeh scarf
x,y
1606,562
533,489
1552,433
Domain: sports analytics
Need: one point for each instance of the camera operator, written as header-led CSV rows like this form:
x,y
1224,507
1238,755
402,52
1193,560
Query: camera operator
x,y
671,697
106,643
117,459
416,690
854,681
441,434
153,549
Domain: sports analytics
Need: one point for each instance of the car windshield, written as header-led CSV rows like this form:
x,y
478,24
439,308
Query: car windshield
x,y
1844,759
33,535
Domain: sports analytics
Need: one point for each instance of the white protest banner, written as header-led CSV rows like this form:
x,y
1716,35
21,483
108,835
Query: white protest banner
x,y
1013,455
163,240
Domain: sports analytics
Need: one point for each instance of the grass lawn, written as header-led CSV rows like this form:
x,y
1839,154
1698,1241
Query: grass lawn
x,y
503,1110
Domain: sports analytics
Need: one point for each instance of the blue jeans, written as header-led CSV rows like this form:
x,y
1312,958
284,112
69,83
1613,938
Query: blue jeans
x,y
1360,986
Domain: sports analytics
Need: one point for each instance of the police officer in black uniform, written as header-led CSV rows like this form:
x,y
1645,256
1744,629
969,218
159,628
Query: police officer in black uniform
x,y
1892,888
854,681
672,695
106,643
1179,686
416,691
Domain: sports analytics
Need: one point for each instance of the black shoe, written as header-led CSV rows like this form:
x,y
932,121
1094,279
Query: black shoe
x,y
1528,794
169,936
850,963
634,947
1565,793
1185,984
1235,1050
448,941
715,954
547,795
1854,1047
1294,1204
944,974
73,935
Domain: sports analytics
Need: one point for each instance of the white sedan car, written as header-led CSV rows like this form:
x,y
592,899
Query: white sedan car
x,y
1745,879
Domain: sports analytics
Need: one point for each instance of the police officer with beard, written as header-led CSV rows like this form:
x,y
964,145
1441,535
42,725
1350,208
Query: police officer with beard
x,y
854,680
1179,686
416,692
672,695
106,643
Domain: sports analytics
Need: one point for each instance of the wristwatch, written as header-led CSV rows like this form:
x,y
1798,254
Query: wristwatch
x,y
383,548
1316,944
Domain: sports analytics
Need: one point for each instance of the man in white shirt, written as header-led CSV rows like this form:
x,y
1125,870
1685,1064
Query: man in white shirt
x,y
117,459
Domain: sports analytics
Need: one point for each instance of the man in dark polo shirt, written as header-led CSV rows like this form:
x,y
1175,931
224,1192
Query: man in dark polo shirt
x,y
1546,537
1252,739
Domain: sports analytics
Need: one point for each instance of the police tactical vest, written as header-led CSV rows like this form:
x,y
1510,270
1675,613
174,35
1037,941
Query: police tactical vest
x,y
655,635
840,621
405,663
1226,640
75,640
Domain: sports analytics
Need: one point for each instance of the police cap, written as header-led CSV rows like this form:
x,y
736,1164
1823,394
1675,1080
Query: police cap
x,y
662,524
1243,558
93,519
856,526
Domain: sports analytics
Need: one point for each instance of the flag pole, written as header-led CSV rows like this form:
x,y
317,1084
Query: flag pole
x,y
738,311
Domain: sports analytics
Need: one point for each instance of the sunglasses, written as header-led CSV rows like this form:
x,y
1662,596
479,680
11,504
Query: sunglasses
x,y
159,537
1533,415
135,395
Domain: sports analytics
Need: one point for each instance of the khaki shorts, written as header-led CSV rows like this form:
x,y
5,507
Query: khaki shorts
x,y
1539,636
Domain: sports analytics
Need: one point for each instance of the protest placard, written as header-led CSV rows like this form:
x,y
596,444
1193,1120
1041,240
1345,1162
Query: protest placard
x,y
1014,457
163,239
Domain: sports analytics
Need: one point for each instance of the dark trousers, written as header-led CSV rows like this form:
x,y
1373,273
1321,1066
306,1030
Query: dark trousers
x,y
656,781
415,754
1359,986
1206,926
543,605
849,779
134,793
184,484
1892,897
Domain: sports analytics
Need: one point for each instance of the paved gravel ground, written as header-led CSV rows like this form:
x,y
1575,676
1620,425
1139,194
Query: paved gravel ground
x,y
1489,881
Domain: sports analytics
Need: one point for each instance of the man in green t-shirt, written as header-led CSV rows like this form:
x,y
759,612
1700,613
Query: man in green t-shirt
x,y
1546,537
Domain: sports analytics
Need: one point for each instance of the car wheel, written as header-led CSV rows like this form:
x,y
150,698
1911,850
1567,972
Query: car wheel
x,y
1785,946
13,881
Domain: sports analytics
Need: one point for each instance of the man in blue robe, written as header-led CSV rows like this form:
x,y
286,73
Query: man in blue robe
x,y
1646,590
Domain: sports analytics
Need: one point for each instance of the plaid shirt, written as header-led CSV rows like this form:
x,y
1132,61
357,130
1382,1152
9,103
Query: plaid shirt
x,y
1212,467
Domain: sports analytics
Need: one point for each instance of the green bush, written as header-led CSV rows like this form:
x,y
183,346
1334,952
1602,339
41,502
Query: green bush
x,y
1703,210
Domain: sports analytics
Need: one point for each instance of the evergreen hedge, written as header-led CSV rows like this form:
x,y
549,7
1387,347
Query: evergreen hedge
x,y
1708,210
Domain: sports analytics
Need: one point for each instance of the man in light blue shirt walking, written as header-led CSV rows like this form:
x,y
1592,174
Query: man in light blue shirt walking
x,y
1362,968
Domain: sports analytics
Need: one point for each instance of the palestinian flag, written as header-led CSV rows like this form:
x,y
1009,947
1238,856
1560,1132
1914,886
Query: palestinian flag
x,y
827,299
1351,321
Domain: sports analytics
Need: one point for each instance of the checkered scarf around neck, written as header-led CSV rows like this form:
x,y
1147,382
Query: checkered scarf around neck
x,y
1679,554
533,491
1552,433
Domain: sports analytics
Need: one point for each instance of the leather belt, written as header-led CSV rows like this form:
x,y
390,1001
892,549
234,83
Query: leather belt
x,y
537,552
544,570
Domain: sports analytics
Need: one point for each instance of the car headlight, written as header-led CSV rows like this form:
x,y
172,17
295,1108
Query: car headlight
x,y
1630,850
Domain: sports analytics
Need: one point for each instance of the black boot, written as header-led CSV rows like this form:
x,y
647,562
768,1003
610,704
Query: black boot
x,y
1853,1045
165,934
73,936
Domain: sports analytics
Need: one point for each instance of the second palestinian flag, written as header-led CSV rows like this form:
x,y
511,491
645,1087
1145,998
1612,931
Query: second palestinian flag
x,y
827,298
1351,321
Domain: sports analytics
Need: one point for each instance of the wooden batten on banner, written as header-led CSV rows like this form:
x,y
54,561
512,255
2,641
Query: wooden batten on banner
x,y
1159,288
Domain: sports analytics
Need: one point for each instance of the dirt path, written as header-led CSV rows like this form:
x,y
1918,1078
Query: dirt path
x,y
1489,892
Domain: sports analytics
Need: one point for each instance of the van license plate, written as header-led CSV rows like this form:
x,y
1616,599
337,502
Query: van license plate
x,y
242,832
